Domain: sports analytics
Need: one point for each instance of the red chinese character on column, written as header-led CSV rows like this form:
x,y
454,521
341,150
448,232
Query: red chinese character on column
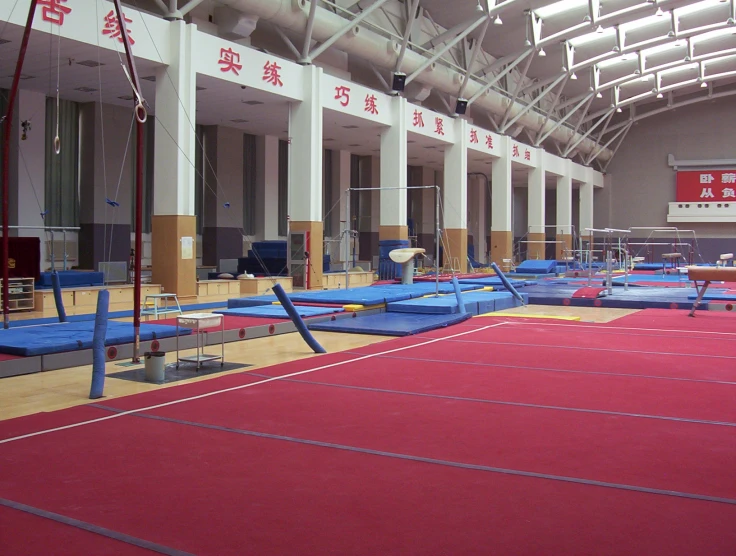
x,y
418,120
342,92
489,141
527,155
515,151
112,27
53,11
229,60
473,136
271,74
439,126
370,104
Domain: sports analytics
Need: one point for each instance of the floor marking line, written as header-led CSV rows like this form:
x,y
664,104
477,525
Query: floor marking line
x,y
603,327
91,528
544,369
241,386
705,356
515,404
447,463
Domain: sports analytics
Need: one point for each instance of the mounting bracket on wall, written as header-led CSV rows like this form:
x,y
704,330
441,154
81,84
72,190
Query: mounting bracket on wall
x,y
695,164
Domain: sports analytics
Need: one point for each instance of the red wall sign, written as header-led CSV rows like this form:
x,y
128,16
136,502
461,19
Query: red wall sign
x,y
706,186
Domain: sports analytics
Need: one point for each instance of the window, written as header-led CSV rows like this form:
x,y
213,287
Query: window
x,y
61,187
249,184
283,187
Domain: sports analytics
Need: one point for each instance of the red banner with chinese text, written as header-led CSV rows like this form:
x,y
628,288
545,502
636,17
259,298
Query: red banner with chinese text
x,y
706,186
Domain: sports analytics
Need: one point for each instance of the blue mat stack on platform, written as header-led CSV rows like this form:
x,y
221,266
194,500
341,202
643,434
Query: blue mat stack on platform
x,y
277,311
72,336
71,279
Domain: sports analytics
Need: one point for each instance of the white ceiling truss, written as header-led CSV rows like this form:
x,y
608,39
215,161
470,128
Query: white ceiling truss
x,y
562,72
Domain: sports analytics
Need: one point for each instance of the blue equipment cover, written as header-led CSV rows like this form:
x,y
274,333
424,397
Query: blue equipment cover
x,y
714,296
653,266
532,266
390,324
258,301
71,279
476,303
72,336
278,312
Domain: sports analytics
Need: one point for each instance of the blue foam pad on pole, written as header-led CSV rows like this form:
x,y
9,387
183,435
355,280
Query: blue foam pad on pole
x,y
56,284
98,346
506,282
458,295
297,320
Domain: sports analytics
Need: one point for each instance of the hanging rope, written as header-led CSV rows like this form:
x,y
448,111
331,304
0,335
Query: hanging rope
x,y
57,141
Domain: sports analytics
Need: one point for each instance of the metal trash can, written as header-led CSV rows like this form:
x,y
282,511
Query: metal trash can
x,y
155,366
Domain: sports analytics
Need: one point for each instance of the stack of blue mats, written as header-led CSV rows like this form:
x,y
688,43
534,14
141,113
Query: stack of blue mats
x,y
390,324
278,312
72,336
532,266
476,303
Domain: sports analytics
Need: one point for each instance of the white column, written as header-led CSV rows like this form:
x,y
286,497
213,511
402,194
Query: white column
x,y
564,205
455,195
175,113
341,161
305,170
393,171
426,226
477,201
564,215
173,234
502,191
586,207
535,203
306,151
267,187
536,213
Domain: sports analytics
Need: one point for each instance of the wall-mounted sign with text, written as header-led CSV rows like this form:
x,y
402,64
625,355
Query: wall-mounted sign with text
x,y
706,186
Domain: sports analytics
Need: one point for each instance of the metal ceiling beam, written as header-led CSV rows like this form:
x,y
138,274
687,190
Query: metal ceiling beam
x,y
618,145
452,32
533,103
673,106
310,28
515,94
429,61
675,86
597,151
334,38
571,147
488,84
553,106
562,120
189,6
632,78
473,56
412,16
161,6
287,41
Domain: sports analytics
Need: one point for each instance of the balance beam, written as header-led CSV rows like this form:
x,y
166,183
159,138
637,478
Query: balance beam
x,y
708,274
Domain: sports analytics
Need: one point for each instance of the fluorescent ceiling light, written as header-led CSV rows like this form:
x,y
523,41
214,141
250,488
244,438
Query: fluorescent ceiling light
x,y
616,61
644,22
679,69
592,37
703,85
560,7
698,7
666,47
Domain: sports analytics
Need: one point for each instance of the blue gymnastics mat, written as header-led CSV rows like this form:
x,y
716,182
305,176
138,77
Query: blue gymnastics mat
x,y
376,295
72,336
493,281
532,266
277,311
714,296
476,303
390,324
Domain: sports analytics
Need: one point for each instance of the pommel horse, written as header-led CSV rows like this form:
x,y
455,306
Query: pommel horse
x,y
708,274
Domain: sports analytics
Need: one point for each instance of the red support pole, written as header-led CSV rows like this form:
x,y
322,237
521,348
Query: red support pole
x,y
8,126
140,117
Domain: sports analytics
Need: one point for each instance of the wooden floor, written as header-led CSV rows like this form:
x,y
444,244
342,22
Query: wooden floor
x,y
52,390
